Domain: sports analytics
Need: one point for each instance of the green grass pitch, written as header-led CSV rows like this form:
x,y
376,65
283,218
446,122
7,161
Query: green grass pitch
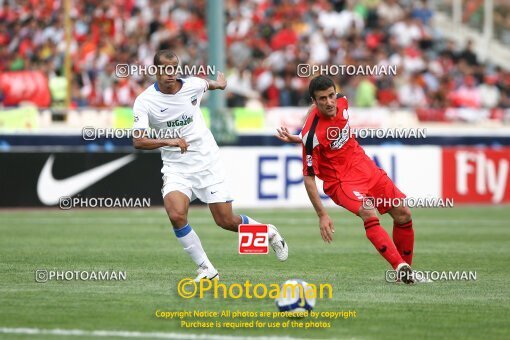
x,y
140,242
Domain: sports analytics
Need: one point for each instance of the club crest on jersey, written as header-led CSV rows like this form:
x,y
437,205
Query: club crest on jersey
x,y
308,160
194,100
343,137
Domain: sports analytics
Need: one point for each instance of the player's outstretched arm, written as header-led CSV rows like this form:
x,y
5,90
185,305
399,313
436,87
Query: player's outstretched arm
x,y
325,222
285,136
144,143
220,82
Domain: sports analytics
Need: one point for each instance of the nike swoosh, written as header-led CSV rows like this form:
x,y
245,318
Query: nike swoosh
x,y
50,189
164,109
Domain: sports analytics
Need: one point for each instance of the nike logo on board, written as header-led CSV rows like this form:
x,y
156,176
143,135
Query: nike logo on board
x,y
49,189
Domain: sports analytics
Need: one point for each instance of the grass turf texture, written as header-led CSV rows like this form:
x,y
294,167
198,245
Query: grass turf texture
x,y
141,243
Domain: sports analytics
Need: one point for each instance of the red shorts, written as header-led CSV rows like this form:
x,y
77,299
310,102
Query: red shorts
x,y
371,183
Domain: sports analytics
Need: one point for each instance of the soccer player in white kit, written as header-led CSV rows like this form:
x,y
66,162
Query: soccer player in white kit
x,y
191,164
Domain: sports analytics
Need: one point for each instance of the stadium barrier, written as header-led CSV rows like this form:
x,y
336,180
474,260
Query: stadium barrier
x,y
259,177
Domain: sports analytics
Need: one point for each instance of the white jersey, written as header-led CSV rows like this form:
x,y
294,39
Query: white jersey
x,y
156,110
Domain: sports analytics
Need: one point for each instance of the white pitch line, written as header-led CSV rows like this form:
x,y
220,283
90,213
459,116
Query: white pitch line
x,y
131,334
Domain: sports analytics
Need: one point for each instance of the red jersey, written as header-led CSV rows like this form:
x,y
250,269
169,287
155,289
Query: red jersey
x,y
329,150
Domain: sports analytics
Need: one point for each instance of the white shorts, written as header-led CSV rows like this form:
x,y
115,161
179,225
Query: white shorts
x,y
208,185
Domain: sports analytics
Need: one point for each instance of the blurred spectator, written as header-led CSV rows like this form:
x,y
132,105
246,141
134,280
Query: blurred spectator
x,y
422,12
440,98
340,23
386,93
289,96
406,32
468,55
468,94
390,11
284,37
366,93
272,94
58,88
412,60
320,53
241,89
489,92
411,94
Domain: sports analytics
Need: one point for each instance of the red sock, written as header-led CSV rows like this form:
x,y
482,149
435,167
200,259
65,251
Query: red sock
x,y
403,236
382,241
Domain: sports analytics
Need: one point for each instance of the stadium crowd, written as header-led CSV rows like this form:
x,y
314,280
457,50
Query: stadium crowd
x,y
265,40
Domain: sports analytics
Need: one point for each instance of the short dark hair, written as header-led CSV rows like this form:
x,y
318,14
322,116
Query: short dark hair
x,y
319,83
167,54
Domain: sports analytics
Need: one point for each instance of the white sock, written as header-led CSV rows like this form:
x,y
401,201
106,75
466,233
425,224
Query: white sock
x,y
192,245
248,220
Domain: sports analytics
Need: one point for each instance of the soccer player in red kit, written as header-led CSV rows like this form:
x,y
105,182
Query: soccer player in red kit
x,y
350,177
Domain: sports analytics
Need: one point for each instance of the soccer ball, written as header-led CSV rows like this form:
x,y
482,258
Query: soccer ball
x,y
295,296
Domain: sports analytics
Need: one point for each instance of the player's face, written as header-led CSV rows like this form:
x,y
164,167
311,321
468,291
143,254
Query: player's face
x,y
166,72
326,102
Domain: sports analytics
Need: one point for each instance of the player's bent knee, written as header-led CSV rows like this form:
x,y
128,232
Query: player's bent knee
x,y
178,219
366,213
